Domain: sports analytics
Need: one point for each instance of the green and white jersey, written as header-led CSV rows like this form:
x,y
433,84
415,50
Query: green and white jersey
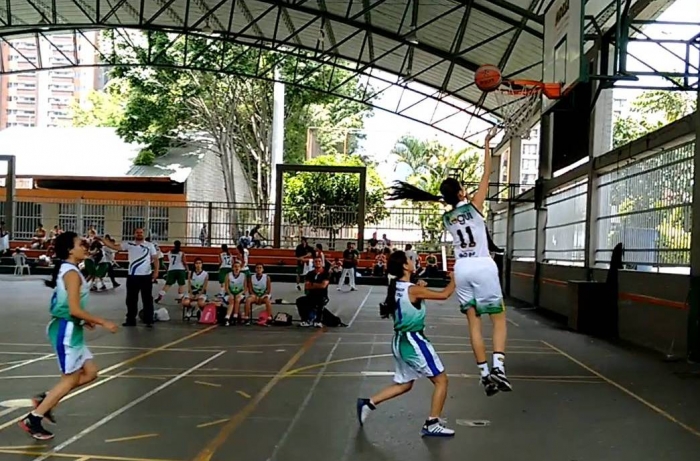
x,y
259,284
468,229
236,284
197,281
407,318
175,262
64,329
226,260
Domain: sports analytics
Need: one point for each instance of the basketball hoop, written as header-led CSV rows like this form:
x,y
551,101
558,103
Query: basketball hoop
x,y
520,101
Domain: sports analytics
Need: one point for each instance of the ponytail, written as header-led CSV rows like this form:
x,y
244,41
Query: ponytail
x,y
388,307
405,191
176,247
54,275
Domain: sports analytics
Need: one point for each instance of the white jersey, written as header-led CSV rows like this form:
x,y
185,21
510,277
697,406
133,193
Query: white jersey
x,y
259,284
236,284
225,261
197,281
175,261
159,254
140,256
109,255
468,229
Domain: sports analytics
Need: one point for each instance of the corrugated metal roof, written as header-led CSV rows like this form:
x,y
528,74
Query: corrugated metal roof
x,y
90,151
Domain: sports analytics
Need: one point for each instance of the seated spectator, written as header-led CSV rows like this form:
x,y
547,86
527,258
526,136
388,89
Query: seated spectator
x,y
373,242
196,297
236,286
310,306
260,289
335,271
39,238
379,265
431,269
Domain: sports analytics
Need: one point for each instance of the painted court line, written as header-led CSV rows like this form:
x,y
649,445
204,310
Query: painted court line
x,y
125,408
212,423
97,383
27,362
640,399
236,420
133,437
304,404
243,394
205,383
362,304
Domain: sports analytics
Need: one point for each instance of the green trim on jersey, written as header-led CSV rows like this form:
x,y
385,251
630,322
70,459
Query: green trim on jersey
x,y
482,309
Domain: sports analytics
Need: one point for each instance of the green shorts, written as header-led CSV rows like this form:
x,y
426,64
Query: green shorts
x,y
96,270
223,272
176,276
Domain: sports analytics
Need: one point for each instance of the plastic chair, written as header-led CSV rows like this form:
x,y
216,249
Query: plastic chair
x,y
21,264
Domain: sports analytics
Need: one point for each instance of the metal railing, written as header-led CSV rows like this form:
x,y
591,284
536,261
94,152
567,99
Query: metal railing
x,y
565,231
524,232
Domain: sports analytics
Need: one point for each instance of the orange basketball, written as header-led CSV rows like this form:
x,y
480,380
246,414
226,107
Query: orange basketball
x,y
488,77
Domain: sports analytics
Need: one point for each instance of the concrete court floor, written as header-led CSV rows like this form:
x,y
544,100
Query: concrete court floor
x,y
188,393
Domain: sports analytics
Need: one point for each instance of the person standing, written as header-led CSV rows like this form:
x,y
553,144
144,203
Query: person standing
x,y
140,277
350,257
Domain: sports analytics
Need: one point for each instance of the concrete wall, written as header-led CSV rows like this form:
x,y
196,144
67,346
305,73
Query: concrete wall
x,y
652,306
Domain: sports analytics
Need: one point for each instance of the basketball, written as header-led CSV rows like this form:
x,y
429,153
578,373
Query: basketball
x,y
488,77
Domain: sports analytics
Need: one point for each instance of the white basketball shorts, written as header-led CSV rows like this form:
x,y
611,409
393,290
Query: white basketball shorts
x,y
414,357
72,359
478,285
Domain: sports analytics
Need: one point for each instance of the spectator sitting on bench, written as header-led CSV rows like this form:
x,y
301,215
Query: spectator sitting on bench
x,y
39,237
310,306
431,268
335,270
236,285
260,289
196,297
379,265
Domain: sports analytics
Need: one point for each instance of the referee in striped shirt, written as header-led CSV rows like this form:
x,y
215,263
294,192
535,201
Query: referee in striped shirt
x,y
140,277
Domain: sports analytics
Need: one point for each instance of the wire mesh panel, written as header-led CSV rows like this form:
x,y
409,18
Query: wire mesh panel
x,y
646,206
565,231
27,219
524,232
499,233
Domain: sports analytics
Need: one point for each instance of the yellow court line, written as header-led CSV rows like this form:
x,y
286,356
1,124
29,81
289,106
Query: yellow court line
x,y
92,346
136,358
204,383
236,420
133,437
640,399
82,456
243,394
213,423
24,447
87,458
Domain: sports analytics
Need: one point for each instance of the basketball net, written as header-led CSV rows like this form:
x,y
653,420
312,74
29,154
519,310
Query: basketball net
x,y
520,101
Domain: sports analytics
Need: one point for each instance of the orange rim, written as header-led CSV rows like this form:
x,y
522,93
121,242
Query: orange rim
x,y
530,87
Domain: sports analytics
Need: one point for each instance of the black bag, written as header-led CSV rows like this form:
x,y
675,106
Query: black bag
x,y
221,314
329,319
282,319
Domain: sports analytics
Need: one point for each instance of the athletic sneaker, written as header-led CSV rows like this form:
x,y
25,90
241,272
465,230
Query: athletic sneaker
x,y
158,299
498,377
32,425
305,324
36,401
318,325
364,408
436,428
489,387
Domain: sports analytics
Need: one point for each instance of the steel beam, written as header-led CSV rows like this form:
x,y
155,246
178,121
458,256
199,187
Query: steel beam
x,y
9,193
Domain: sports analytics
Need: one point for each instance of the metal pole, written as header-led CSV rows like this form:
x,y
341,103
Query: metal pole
x,y
277,242
361,211
10,197
545,173
694,313
277,131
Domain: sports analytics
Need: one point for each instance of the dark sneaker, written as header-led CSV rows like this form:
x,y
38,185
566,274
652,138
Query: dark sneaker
x,y
36,401
498,377
436,428
364,408
32,425
490,388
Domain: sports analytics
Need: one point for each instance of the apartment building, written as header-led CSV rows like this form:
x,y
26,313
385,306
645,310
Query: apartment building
x,y
43,98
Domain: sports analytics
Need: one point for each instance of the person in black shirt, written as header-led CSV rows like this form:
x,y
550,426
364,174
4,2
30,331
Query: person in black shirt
x,y
310,306
302,253
350,257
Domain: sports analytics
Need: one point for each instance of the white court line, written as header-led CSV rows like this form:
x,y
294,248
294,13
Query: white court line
x,y
27,362
304,404
357,312
125,408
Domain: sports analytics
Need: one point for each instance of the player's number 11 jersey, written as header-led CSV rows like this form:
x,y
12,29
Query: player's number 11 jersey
x,y
468,229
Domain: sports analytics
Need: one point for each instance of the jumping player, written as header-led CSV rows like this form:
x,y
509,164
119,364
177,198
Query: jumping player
x,y
414,356
65,330
476,274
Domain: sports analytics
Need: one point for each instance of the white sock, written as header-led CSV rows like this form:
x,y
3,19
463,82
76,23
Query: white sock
x,y
483,369
161,292
499,361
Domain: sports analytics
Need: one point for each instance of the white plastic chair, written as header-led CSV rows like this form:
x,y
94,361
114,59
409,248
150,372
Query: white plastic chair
x,y
21,264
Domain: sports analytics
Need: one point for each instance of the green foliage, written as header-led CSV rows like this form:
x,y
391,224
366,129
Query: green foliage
x,y
431,163
104,108
146,157
229,108
329,200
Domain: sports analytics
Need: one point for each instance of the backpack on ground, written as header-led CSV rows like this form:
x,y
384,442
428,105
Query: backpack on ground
x,y
282,319
329,319
208,316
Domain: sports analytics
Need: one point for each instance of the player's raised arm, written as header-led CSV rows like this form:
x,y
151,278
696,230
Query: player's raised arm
x,y
480,195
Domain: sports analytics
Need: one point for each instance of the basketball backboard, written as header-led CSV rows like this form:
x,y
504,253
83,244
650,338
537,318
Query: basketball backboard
x,y
563,46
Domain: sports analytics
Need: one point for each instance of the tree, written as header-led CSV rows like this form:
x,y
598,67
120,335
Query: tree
x,y
234,114
432,162
102,108
328,201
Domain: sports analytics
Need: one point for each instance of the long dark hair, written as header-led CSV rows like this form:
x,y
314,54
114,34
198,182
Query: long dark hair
x,y
394,268
63,244
449,190
176,247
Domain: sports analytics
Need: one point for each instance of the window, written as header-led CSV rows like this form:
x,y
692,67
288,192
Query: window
x,y
27,219
67,216
94,215
529,179
529,165
133,217
158,223
530,150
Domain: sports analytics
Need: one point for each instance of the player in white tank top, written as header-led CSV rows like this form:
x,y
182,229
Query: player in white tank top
x,y
236,286
175,274
475,273
260,289
197,290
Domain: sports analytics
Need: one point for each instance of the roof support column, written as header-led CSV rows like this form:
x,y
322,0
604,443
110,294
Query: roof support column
x,y
545,173
9,194
694,313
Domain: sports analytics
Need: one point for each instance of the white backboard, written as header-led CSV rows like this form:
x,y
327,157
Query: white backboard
x,y
563,45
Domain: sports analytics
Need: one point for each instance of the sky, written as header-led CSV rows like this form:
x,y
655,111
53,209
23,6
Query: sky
x,y
384,128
